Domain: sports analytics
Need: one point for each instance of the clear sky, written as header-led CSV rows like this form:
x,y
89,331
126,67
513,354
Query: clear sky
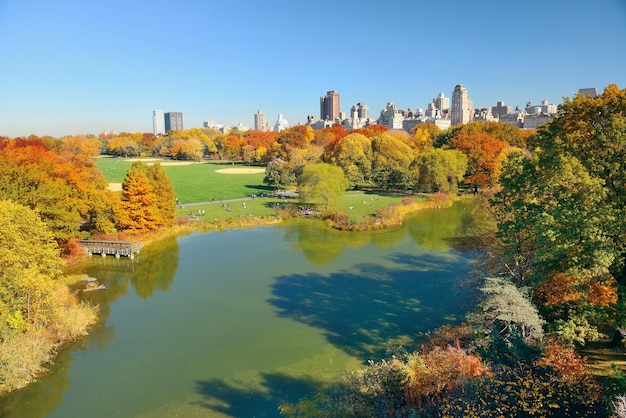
x,y
70,66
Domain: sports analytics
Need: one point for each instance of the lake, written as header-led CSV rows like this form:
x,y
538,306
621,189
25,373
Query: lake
x,y
230,324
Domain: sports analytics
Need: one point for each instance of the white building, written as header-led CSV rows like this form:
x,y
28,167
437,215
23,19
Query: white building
x,y
390,117
359,117
158,122
439,106
281,124
462,107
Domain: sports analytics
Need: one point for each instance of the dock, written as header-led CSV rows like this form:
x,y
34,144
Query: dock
x,y
114,248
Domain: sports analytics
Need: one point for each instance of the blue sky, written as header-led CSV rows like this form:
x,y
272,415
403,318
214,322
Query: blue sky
x,y
69,66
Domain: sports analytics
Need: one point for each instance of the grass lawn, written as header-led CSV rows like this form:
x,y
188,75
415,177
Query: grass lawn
x,y
199,187
197,182
357,204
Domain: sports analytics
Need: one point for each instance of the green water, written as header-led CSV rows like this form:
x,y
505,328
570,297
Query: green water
x,y
229,324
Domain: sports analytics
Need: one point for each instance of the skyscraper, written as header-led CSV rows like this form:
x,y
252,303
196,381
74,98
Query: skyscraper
x,y
260,121
462,106
173,121
329,106
158,122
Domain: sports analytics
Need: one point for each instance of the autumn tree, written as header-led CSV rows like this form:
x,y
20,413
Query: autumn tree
x,y
165,196
29,262
66,189
322,182
354,155
390,162
484,153
423,137
139,206
37,312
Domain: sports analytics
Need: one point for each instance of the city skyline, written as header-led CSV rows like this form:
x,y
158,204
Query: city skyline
x,y
106,66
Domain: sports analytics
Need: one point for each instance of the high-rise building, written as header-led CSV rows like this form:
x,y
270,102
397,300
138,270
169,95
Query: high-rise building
x,y
329,106
281,123
173,121
462,106
360,111
260,121
158,122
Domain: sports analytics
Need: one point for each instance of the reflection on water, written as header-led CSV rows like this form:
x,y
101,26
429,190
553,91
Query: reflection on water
x,y
230,324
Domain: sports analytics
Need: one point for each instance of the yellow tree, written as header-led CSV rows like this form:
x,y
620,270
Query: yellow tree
x,y
29,261
390,162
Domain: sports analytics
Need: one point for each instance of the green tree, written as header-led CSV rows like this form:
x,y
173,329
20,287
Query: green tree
x,y
390,162
438,170
561,216
510,310
593,130
353,154
278,174
322,182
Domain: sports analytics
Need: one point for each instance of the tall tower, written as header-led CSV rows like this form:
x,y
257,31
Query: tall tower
x,y
158,122
173,121
260,121
329,106
462,106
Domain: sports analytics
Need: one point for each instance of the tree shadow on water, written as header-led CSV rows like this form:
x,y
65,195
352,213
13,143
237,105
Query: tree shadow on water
x,y
242,399
366,311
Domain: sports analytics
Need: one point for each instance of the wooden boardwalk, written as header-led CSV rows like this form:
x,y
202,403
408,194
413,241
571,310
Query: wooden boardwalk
x,y
115,248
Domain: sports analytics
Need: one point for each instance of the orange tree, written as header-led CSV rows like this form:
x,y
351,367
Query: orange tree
x,y
66,188
147,199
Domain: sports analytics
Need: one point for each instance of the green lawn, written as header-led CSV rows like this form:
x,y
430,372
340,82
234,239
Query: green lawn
x,y
199,182
358,204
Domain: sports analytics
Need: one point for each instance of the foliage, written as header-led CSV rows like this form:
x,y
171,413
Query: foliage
x,y
66,189
36,311
139,210
561,216
438,170
483,152
499,131
575,329
423,137
165,196
277,173
323,182
433,375
390,162
509,309
29,263
353,154
526,391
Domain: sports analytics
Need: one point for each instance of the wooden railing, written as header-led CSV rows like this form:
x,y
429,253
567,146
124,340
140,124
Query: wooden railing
x,y
116,248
